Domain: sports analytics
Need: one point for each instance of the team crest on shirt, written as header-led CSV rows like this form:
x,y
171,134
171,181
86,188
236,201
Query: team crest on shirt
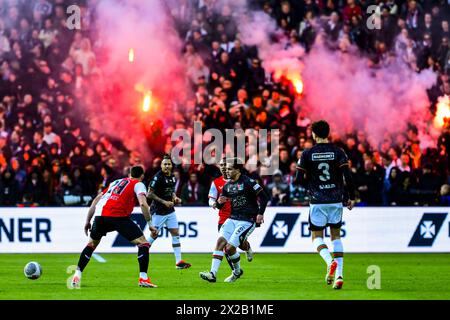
x,y
168,180
240,186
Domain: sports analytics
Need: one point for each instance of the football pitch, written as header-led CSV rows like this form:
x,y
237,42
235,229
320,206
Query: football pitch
x,y
267,277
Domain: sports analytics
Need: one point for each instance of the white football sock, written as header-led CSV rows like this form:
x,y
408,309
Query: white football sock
x,y
236,260
143,275
217,259
322,248
338,253
176,248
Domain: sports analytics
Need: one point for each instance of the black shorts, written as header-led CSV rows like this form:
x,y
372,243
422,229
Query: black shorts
x,y
123,225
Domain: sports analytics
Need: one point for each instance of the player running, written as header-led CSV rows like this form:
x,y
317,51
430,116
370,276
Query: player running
x,y
162,192
322,168
224,213
114,206
243,193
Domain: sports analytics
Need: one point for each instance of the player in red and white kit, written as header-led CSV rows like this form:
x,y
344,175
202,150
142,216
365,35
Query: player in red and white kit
x,y
113,207
224,213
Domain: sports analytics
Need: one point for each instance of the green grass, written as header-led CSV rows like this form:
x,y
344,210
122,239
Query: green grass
x,y
268,277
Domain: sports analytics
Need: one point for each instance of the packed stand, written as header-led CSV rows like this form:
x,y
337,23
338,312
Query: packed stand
x,y
50,156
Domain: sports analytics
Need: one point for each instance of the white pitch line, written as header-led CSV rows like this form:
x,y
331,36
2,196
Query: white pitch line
x,y
99,258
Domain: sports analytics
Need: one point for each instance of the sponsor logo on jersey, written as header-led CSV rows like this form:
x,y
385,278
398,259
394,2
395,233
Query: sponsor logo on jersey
x,y
427,230
280,229
324,156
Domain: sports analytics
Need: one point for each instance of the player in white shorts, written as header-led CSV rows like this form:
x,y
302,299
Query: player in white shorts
x,y
323,169
244,194
162,191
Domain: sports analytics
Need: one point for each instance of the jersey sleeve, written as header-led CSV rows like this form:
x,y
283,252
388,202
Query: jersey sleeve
x,y
342,158
255,186
154,182
139,188
213,193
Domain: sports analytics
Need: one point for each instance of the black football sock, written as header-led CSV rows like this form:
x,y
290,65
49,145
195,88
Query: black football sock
x,y
85,256
143,258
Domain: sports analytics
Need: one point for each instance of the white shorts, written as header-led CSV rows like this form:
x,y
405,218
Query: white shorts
x,y
169,220
323,215
236,231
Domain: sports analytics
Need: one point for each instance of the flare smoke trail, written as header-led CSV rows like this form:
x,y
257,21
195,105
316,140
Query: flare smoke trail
x,y
341,87
147,28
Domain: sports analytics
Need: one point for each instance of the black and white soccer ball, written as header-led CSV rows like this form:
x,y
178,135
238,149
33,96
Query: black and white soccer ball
x,y
32,270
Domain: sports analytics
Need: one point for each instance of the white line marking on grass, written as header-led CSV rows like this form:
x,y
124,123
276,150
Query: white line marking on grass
x,y
99,258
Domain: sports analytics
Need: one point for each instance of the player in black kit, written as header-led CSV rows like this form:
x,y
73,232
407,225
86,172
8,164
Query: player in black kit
x,y
323,169
244,194
162,192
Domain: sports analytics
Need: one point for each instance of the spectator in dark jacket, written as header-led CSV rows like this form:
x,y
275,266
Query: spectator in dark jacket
x,y
369,182
193,193
9,189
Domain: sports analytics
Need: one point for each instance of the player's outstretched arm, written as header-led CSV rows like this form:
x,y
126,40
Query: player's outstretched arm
x,y
87,225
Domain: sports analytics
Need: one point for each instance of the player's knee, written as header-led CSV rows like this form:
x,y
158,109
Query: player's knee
x,y
93,243
141,241
221,243
229,249
175,232
335,234
245,246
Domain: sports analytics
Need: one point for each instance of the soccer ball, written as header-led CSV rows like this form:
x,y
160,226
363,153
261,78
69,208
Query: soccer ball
x,y
32,270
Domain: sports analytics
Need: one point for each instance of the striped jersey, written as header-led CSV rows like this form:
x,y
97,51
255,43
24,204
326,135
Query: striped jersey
x,y
119,199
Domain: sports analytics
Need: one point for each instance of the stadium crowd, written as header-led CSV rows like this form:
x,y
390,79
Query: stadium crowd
x,y
49,156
